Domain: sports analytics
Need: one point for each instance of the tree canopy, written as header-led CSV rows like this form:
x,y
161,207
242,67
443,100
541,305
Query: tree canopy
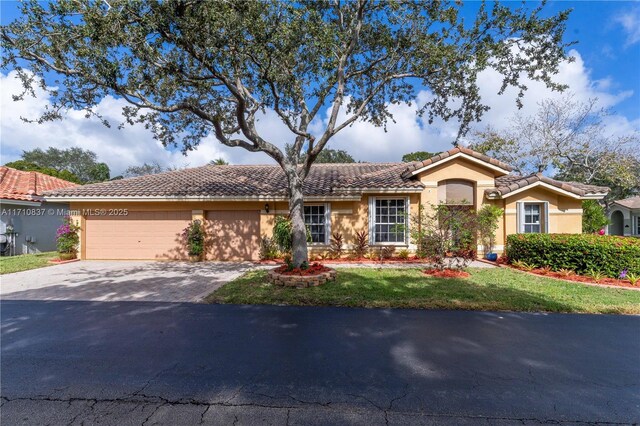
x,y
72,164
188,69
418,156
31,167
144,169
568,138
81,162
326,156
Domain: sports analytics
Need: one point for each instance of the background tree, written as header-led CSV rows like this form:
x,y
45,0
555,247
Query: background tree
x,y
189,69
418,156
568,138
325,156
31,167
144,169
219,162
80,162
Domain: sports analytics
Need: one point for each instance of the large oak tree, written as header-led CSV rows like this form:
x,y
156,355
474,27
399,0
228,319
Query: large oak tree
x,y
190,68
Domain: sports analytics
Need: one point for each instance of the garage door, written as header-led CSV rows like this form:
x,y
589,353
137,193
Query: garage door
x,y
139,235
233,235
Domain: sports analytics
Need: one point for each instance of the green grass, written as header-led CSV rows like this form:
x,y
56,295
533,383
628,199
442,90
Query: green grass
x,y
24,262
499,289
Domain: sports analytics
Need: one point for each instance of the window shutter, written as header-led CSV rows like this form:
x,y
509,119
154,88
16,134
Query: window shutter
x,y
545,206
519,216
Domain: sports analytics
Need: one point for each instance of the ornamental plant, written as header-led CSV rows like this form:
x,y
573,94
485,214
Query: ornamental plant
x,y
194,235
488,217
67,238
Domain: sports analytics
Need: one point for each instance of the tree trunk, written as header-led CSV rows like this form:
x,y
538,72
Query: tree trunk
x,y
296,211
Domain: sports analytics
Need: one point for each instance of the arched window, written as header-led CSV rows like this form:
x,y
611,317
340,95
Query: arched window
x,y
456,192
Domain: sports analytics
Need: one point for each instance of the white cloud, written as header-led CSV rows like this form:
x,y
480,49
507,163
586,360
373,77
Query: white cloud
x,y
629,20
118,148
135,145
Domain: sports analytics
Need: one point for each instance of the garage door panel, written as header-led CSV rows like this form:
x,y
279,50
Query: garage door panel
x,y
138,235
233,235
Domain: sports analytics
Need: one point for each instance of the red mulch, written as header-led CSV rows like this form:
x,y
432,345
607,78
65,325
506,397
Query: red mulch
x,y
313,269
412,259
446,273
582,278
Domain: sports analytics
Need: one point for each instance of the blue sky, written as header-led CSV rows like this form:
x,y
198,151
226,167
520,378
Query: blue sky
x,y
607,66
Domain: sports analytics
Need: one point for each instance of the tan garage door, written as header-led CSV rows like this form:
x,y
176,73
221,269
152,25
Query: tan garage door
x,y
233,235
139,235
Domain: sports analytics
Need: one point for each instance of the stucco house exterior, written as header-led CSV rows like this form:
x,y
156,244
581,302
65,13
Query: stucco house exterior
x,y
142,217
28,223
624,217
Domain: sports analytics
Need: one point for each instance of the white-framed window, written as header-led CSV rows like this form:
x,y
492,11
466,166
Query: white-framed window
x,y
533,217
317,218
637,225
388,220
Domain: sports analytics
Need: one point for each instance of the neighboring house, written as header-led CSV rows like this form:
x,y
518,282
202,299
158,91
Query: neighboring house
x,y
142,217
624,217
28,222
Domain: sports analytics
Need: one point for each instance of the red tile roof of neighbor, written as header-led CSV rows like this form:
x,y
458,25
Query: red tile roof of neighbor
x,y
28,186
324,180
630,203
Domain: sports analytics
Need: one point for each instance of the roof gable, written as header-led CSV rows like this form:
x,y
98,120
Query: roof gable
x,y
458,152
507,186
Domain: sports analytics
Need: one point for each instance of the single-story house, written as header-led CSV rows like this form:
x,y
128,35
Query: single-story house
x,y
142,217
624,217
28,223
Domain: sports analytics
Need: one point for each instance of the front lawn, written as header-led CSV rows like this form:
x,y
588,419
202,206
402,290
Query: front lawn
x,y
23,262
486,289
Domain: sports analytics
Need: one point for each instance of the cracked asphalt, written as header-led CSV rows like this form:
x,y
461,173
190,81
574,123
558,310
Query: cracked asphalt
x,y
145,363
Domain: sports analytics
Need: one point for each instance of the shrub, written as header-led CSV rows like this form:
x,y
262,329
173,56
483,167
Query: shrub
x,y
67,238
283,234
594,217
282,230
488,221
403,254
446,234
361,244
268,249
633,278
582,253
337,245
194,235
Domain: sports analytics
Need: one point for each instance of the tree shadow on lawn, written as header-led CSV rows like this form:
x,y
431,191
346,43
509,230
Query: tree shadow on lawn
x,y
414,290
398,289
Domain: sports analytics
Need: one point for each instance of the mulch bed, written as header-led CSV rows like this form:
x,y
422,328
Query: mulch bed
x,y
365,260
446,273
313,269
61,262
605,282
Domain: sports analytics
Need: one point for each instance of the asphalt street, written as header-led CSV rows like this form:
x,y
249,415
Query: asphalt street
x,y
120,363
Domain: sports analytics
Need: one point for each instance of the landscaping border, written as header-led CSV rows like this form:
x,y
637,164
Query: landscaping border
x,y
300,281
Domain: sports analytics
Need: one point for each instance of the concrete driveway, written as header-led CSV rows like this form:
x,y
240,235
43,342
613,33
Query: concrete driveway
x,y
121,281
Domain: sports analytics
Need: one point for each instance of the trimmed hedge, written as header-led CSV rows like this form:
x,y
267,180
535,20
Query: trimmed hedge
x,y
581,253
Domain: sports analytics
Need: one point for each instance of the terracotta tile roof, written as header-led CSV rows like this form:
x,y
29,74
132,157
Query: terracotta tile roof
x,y
510,183
251,181
28,186
631,203
417,165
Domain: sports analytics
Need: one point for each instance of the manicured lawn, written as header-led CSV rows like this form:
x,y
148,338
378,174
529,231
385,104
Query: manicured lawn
x,y
25,262
486,289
